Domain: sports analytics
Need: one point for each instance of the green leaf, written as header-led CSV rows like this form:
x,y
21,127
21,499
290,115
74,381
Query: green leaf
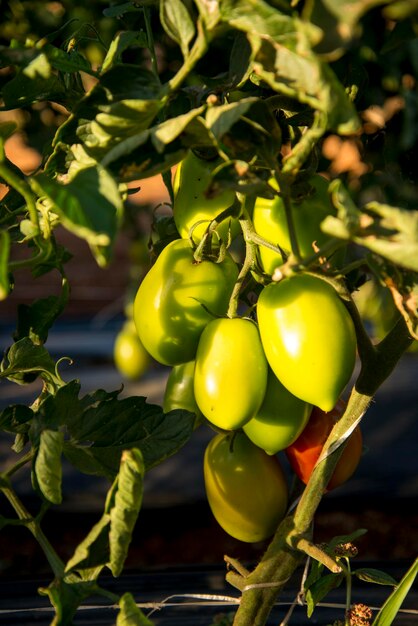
x,y
283,57
392,605
247,128
177,23
90,206
102,432
25,361
119,44
4,264
67,62
66,597
388,231
118,10
15,419
127,504
157,149
320,588
130,614
35,82
93,550
209,13
393,234
35,320
48,469
371,575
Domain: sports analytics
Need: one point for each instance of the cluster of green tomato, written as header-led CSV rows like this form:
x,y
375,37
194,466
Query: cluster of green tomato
x,y
261,381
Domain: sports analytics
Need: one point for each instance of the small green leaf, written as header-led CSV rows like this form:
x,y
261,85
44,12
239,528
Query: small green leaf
x,y
48,469
127,504
90,206
130,614
24,361
35,320
392,605
177,23
320,588
93,550
66,597
371,575
16,418
119,44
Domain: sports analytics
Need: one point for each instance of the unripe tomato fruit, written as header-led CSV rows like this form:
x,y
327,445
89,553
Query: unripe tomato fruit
x,y
191,205
308,337
245,487
129,355
179,392
305,451
270,222
177,298
280,419
230,373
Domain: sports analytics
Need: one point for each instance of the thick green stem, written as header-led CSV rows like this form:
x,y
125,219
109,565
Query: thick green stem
x,y
33,526
198,50
249,261
280,559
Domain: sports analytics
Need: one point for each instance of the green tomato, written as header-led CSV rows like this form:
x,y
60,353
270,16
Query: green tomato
x,y
231,372
245,487
179,391
129,355
191,205
280,420
177,298
308,338
269,219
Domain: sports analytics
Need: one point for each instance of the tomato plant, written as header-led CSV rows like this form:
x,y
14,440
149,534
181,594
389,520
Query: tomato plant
x,y
230,372
280,419
246,488
113,96
193,210
308,337
130,356
177,298
306,450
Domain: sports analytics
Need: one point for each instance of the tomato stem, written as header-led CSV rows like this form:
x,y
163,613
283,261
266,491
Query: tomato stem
x,y
33,526
249,261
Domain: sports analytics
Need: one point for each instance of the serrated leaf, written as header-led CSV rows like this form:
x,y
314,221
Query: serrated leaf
x,y
35,320
127,504
25,361
119,44
177,23
158,148
67,62
118,10
90,206
372,575
48,469
4,264
341,539
66,597
392,605
320,588
129,614
35,82
16,418
59,409
388,231
93,550
283,57
100,434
